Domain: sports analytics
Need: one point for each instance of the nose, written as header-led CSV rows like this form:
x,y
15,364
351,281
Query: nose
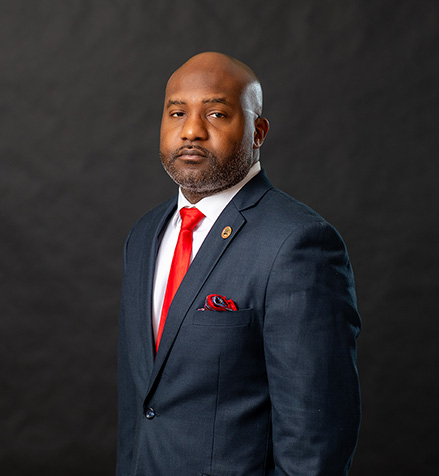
x,y
194,129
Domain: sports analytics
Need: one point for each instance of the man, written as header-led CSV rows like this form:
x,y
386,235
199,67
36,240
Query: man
x,y
248,367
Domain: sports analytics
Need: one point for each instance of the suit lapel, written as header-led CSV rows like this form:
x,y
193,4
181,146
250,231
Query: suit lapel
x,y
145,298
208,255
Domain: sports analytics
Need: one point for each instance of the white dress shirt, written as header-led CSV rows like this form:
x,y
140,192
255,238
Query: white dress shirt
x,y
211,207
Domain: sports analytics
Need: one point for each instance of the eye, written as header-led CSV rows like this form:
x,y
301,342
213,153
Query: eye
x,y
177,114
217,115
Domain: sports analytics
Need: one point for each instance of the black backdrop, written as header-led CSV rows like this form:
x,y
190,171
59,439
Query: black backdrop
x,y
351,95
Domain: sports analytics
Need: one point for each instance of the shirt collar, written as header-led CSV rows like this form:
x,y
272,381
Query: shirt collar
x,y
212,206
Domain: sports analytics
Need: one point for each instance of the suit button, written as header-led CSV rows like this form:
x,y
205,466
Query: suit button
x,y
149,413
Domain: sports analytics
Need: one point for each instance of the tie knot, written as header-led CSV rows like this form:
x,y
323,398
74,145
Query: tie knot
x,y
190,217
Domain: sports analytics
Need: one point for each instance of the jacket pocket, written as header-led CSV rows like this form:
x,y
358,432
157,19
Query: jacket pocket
x,y
223,318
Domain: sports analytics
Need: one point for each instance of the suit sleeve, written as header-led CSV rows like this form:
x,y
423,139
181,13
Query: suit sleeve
x,y
310,330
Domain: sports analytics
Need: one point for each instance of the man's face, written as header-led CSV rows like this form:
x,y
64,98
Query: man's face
x,y
206,140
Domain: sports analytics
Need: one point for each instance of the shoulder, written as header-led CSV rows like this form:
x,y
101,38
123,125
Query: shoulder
x,y
289,231
149,224
269,206
284,215
155,216
306,244
288,209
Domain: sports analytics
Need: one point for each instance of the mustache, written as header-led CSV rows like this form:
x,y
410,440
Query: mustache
x,y
180,151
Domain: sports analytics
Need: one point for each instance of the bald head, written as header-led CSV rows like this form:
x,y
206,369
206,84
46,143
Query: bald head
x,y
226,69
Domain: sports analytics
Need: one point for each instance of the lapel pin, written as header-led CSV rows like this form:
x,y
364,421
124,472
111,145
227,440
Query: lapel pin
x,y
226,232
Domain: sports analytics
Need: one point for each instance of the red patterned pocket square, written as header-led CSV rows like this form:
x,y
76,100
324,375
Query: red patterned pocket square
x,y
215,302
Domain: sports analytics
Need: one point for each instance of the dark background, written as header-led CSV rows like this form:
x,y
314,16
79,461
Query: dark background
x,y
351,94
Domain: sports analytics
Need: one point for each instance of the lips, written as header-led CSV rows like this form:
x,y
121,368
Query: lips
x,y
191,153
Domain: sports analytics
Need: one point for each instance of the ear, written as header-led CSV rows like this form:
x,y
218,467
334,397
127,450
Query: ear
x,y
261,130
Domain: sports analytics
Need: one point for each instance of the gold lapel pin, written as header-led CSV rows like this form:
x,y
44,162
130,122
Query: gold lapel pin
x,y
226,232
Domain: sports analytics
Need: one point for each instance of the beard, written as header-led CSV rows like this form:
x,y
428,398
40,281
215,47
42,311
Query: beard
x,y
219,175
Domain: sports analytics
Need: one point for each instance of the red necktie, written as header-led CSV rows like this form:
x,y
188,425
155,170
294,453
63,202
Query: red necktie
x,y
180,262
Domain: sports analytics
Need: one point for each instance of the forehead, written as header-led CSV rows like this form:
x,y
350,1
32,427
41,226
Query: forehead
x,y
196,85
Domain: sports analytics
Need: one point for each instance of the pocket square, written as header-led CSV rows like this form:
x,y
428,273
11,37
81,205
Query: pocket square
x,y
215,302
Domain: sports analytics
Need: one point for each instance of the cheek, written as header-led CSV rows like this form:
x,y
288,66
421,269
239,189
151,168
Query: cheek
x,y
166,139
230,139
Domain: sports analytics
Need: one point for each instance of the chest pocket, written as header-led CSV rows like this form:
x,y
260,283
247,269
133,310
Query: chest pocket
x,y
239,318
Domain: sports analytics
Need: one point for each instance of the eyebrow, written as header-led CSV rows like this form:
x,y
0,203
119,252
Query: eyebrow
x,y
174,102
217,100
177,102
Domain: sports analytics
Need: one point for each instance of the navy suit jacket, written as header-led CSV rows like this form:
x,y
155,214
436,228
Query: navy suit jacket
x,y
269,389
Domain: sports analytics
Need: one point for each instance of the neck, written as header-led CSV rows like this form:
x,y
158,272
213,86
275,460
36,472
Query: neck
x,y
194,197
